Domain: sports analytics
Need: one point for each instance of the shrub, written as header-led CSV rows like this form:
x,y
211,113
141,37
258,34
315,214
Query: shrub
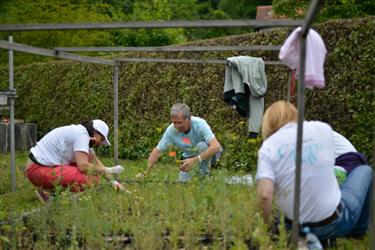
x,y
63,92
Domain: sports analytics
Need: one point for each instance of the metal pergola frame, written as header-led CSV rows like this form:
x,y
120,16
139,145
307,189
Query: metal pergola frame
x,y
61,52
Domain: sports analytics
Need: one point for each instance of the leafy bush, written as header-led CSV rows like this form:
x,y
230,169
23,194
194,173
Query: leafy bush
x,y
329,10
63,92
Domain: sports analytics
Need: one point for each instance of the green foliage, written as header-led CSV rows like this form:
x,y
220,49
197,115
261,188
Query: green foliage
x,y
57,93
289,8
54,11
155,213
241,8
330,10
157,10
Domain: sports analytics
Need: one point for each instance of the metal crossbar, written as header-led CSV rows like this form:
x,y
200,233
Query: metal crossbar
x,y
171,48
153,25
53,53
193,61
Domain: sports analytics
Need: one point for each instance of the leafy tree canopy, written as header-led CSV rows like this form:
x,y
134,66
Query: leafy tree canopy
x,y
334,9
69,11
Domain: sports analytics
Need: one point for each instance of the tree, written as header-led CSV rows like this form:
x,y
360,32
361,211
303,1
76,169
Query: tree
x,y
53,11
334,9
144,10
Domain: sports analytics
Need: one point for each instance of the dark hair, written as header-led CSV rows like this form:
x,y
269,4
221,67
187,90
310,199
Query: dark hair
x,y
89,127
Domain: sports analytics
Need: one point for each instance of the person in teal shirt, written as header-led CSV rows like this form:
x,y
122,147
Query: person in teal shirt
x,y
193,136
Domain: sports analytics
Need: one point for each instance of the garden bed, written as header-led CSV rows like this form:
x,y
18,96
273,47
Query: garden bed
x,y
156,213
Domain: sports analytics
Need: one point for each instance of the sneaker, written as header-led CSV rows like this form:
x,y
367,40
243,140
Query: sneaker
x,y
42,196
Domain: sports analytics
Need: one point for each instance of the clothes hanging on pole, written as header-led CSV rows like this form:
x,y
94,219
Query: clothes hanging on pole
x,y
315,55
244,88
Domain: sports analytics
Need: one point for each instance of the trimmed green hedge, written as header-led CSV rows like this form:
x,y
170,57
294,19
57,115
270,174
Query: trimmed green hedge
x,y
63,92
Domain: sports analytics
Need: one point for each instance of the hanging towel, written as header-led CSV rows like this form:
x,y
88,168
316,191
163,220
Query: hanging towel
x,y
315,56
245,86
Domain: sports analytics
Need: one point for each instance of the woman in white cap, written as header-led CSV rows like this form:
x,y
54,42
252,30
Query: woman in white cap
x,y
65,157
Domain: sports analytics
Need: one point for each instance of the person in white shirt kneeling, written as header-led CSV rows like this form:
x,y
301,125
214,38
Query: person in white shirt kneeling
x,y
65,157
329,210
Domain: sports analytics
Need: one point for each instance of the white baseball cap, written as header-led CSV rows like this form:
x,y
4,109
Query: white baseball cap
x,y
103,129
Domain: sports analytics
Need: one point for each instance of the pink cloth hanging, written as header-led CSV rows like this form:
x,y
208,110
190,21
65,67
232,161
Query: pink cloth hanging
x,y
315,56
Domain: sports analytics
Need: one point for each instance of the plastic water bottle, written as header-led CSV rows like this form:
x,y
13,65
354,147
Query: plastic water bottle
x,y
312,241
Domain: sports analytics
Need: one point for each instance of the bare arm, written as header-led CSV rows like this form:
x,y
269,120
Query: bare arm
x,y
84,165
152,159
213,147
264,197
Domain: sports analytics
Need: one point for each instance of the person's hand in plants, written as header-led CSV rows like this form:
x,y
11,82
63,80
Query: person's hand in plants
x,y
117,185
187,164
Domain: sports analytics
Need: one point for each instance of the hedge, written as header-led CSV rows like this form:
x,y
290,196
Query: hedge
x,y
63,92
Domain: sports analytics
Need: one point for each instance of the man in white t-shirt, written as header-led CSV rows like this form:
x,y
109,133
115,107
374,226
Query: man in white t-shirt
x,y
65,157
193,136
328,210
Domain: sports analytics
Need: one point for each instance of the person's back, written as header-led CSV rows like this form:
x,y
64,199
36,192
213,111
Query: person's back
x,y
320,192
342,145
328,210
63,158
346,156
57,147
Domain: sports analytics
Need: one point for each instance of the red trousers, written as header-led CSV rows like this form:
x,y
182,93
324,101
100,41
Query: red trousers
x,y
62,175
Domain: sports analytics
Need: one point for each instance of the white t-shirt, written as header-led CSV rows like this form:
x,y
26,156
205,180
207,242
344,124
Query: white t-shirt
x,y
58,146
342,145
320,193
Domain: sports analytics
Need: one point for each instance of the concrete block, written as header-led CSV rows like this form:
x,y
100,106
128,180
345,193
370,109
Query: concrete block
x,y
25,136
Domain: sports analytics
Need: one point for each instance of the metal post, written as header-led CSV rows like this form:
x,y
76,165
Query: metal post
x,y
312,12
115,111
301,111
372,206
12,139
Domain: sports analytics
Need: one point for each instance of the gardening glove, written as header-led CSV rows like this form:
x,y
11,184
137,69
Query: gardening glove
x,y
114,170
117,185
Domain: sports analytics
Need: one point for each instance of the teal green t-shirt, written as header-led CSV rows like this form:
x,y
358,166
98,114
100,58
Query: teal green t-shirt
x,y
200,131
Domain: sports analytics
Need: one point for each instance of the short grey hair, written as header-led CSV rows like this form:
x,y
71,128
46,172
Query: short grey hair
x,y
180,107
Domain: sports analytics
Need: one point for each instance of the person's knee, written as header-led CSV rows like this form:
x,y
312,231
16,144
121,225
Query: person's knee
x,y
365,170
202,146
